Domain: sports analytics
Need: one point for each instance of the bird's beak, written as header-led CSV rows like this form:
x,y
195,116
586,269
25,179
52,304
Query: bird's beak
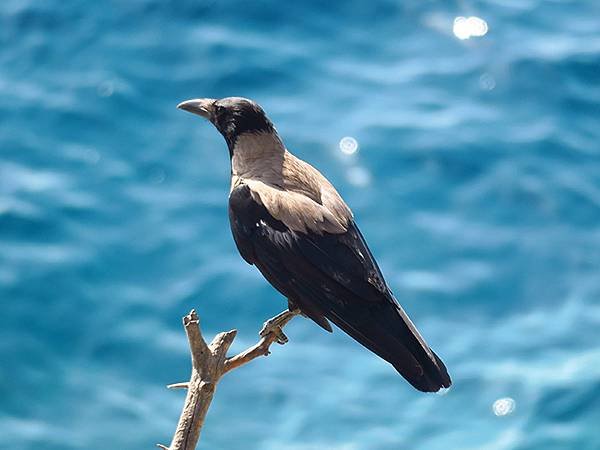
x,y
200,106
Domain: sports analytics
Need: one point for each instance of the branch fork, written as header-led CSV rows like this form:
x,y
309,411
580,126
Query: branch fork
x,y
209,364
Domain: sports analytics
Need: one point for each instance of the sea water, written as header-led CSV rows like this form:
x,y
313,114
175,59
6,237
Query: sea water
x,y
465,136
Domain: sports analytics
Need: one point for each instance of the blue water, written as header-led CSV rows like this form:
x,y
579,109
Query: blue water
x,y
476,183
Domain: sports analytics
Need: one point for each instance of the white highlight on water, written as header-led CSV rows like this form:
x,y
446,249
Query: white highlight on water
x,y
468,27
504,406
348,145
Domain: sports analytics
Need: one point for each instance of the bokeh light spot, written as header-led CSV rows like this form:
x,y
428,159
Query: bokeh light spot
x,y
106,89
504,406
468,27
487,82
348,145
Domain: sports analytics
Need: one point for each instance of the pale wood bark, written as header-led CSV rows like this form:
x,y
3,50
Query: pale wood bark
x,y
209,364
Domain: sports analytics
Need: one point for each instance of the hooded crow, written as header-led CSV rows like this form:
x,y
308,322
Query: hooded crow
x,y
289,221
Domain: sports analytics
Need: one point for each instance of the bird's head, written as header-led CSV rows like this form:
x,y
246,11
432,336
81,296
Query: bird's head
x,y
231,116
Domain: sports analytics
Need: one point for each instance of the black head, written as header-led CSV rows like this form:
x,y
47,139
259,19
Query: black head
x,y
232,116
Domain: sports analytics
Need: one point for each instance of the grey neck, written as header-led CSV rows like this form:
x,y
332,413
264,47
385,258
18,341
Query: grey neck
x,y
259,156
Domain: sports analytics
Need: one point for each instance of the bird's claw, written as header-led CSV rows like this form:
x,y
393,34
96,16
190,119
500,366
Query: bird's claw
x,y
273,326
281,337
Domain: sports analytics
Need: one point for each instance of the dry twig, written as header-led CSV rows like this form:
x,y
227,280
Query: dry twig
x,y
209,364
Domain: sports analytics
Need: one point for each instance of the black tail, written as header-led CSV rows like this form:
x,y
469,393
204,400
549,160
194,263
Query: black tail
x,y
389,333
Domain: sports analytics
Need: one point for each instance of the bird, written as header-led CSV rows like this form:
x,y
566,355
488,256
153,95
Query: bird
x,y
289,222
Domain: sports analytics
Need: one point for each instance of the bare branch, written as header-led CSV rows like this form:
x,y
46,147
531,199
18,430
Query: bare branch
x,y
178,385
271,332
198,346
259,349
209,364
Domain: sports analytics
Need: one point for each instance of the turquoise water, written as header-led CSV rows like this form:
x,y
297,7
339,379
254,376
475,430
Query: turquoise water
x,y
476,183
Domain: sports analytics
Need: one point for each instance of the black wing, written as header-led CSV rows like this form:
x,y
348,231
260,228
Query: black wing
x,y
335,277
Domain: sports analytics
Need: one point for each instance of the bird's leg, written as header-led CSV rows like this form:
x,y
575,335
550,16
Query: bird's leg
x,y
276,324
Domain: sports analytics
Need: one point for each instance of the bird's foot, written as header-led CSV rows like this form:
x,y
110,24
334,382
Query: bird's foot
x,y
276,324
